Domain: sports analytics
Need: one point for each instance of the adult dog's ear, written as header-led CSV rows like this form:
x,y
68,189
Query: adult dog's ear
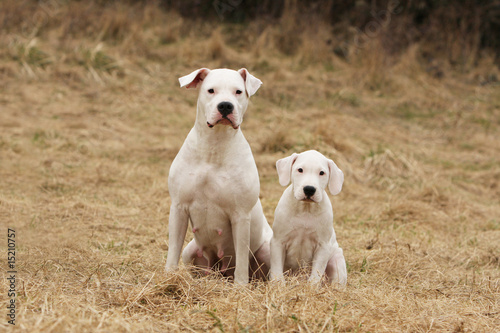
x,y
336,178
284,168
252,84
194,79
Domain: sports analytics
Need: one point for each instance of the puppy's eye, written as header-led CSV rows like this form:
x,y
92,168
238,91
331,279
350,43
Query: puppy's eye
x,y
321,173
300,170
238,92
211,91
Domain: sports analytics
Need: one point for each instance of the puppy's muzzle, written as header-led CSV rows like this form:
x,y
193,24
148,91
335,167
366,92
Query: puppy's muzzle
x,y
309,191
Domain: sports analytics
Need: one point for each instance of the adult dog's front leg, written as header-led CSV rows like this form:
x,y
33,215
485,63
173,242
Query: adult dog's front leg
x,y
277,259
177,227
241,238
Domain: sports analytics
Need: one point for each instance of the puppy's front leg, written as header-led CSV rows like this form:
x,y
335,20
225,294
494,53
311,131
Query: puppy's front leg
x,y
177,227
320,260
241,238
277,259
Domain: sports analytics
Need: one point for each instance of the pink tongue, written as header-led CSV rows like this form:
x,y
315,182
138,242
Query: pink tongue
x,y
225,122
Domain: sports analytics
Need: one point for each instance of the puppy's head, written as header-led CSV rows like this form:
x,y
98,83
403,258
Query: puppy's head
x,y
224,94
310,173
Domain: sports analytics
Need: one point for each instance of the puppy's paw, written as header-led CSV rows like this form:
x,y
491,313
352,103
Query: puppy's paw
x,y
276,277
314,278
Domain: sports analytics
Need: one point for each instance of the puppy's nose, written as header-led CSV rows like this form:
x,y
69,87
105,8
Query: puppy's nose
x,y
225,108
309,191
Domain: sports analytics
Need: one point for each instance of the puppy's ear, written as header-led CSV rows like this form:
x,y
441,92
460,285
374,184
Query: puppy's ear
x,y
252,84
336,178
194,79
284,168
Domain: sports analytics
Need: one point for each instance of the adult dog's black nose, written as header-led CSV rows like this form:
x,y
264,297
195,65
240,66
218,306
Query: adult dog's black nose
x,y
309,191
225,108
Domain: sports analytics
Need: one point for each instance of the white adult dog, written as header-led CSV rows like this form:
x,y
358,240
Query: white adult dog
x,y
303,221
213,182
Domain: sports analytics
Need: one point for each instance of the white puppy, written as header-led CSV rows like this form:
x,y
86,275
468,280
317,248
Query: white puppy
x,y
213,182
303,221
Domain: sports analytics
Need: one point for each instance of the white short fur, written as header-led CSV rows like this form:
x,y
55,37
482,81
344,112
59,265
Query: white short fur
x,y
303,233
213,182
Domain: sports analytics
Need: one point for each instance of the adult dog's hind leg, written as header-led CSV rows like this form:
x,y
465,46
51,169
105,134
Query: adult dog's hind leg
x,y
260,261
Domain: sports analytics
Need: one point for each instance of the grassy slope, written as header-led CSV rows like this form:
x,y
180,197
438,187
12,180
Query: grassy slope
x,y
92,119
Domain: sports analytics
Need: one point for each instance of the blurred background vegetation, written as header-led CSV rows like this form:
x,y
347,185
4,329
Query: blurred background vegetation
x,y
460,32
458,29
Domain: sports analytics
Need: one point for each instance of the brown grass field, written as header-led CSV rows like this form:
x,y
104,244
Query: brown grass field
x,y
91,116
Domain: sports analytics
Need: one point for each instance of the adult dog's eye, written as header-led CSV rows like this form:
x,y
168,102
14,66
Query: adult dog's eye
x,y
211,91
300,170
321,173
238,92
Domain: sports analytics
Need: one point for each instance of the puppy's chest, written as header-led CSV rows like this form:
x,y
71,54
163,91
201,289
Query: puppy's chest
x,y
302,237
300,245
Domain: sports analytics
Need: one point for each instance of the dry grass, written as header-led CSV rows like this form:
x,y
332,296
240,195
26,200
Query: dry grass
x,y
92,116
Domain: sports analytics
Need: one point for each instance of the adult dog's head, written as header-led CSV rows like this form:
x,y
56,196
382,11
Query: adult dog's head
x,y
310,173
224,94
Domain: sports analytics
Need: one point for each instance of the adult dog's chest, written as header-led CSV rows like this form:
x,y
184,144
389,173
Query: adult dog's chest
x,y
213,194
226,185
209,183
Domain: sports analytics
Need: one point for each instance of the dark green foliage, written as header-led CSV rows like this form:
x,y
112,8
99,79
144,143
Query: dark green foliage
x,y
477,22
